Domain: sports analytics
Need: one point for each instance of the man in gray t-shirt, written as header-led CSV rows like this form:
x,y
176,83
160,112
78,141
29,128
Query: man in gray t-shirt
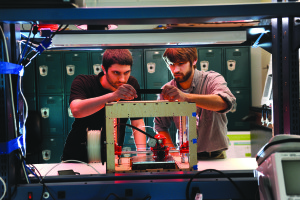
x,y
210,93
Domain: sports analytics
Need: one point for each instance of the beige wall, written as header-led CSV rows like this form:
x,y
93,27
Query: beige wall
x,y
259,67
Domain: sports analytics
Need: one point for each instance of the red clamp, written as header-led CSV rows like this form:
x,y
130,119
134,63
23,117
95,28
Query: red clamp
x,y
118,150
184,148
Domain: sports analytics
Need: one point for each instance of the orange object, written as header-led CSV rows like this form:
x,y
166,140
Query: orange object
x,y
53,27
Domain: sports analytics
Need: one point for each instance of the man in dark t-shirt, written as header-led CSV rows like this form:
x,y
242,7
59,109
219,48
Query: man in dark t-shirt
x,y
90,93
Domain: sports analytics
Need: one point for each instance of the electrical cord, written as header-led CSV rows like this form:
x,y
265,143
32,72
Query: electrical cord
x,y
4,186
40,181
137,129
12,99
113,195
210,170
22,54
59,29
66,161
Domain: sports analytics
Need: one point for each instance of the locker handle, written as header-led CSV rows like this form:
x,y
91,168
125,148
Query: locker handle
x,y
45,112
231,64
70,70
43,70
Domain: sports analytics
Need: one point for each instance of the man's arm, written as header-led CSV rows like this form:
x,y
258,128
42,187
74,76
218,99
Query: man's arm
x,y
169,142
211,102
84,107
139,138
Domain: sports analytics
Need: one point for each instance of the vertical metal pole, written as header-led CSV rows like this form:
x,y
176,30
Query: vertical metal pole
x,y
276,73
285,76
290,78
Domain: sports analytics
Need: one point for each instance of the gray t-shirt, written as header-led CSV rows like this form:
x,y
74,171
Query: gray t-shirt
x,y
211,125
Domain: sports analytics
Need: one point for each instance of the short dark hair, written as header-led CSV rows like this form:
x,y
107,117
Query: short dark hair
x,y
116,56
176,55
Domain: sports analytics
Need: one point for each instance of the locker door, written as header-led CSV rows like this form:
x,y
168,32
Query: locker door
x,y
210,59
157,74
51,110
96,57
52,148
156,71
237,67
136,70
75,63
243,100
49,73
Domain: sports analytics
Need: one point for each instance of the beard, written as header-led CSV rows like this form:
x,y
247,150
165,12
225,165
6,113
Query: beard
x,y
116,84
183,77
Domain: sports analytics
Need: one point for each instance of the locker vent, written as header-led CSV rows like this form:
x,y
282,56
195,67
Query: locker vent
x,y
75,58
157,56
210,54
49,58
237,54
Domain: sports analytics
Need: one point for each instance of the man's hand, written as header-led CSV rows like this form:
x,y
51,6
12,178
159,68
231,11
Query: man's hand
x,y
126,92
172,93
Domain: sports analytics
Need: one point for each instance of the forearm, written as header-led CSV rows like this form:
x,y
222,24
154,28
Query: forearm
x,y
211,102
83,108
139,138
169,141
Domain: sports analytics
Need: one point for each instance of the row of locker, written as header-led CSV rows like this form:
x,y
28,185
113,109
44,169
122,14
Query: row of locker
x,y
54,71
47,82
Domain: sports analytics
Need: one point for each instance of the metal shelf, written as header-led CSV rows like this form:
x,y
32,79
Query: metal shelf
x,y
152,15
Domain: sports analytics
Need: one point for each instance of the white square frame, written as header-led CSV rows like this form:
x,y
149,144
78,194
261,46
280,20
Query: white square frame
x,y
132,109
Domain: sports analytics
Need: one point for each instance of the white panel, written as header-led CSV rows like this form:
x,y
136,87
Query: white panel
x,y
131,39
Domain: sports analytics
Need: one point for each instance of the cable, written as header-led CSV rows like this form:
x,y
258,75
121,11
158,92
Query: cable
x,y
113,195
4,185
65,161
148,197
210,170
56,31
21,56
12,98
137,129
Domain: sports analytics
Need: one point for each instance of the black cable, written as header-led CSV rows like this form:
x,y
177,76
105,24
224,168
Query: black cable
x,y
148,197
210,170
34,32
42,182
65,27
56,31
25,44
137,129
113,195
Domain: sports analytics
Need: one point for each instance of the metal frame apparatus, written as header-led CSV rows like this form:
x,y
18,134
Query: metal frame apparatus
x,y
125,109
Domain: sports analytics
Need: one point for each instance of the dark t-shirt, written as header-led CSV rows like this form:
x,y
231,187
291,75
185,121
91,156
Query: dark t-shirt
x,y
84,87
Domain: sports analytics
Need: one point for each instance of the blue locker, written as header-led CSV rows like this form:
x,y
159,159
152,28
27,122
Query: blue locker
x,y
51,110
52,148
75,63
49,73
237,64
210,59
243,99
96,61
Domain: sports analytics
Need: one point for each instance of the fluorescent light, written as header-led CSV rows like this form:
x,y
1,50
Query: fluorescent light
x,y
148,39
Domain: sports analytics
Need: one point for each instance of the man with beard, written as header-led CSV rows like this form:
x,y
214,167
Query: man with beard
x,y
210,93
90,93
